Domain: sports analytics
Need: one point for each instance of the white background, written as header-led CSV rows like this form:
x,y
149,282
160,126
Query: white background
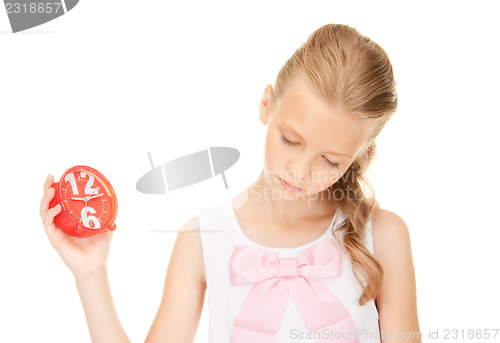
x,y
112,80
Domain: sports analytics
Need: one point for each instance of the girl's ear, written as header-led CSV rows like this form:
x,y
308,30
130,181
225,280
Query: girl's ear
x,y
265,104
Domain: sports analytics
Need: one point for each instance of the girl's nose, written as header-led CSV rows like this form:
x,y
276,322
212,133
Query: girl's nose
x,y
299,168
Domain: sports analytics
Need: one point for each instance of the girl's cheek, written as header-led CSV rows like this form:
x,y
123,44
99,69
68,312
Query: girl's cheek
x,y
270,154
325,179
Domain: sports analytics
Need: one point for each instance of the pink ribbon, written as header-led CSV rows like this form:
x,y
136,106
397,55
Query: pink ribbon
x,y
275,280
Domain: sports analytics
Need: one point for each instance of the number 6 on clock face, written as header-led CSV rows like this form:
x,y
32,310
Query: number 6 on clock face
x,y
90,221
88,202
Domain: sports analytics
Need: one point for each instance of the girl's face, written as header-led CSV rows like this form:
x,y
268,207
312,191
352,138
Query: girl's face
x,y
309,143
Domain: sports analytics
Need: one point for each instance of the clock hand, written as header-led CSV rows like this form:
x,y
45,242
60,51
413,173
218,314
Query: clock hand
x,y
73,198
88,197
96,196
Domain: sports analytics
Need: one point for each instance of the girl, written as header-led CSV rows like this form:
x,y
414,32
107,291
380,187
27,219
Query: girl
x,y
276,266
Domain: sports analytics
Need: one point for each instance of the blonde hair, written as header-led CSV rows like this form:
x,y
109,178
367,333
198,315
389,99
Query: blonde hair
x,y
353,73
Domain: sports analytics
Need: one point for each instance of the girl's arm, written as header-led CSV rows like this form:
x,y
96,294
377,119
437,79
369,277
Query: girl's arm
x,y
397,299
86,258
184,291
100,312
183,296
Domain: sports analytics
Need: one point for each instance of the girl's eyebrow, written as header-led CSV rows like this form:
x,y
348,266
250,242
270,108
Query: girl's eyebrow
x,y
302,138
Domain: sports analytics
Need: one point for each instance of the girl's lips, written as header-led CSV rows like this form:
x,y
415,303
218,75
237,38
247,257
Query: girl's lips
x,y
290,187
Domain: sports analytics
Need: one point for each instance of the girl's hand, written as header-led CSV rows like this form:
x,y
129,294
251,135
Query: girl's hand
x,y
83,256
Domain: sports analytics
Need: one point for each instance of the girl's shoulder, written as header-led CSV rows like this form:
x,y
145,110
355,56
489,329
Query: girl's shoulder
x,y
392,248
390,233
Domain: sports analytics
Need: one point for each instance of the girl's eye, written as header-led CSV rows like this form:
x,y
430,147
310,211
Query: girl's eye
x,y
288,142
332,164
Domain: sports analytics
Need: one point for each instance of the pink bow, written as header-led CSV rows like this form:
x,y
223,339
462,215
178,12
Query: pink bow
x,y
275,279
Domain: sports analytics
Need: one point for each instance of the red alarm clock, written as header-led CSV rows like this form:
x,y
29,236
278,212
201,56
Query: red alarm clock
x,y
88,202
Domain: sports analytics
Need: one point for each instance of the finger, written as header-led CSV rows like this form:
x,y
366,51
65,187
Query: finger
x,y
45,202
48,182
54,211
48,218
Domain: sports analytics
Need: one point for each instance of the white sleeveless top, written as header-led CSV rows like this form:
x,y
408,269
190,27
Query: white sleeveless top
x,y
220,233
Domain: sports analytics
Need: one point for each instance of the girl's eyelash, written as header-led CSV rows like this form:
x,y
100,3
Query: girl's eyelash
x,y
331,164
286,141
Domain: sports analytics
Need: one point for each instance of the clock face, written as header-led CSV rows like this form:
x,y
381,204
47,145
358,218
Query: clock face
x,y
88,198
